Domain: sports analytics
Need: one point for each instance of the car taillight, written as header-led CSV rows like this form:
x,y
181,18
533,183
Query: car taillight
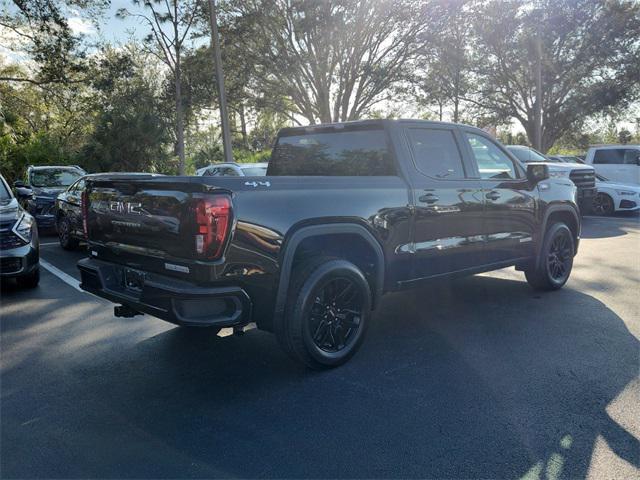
x,y
213,222
85,211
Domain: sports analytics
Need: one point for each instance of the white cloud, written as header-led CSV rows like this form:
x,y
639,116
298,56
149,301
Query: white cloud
x,y
79,25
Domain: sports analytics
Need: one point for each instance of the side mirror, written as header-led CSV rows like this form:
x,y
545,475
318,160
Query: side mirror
x,y
23,192
537,172
18,184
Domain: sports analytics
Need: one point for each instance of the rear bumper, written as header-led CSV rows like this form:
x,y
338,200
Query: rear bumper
x,y
175,301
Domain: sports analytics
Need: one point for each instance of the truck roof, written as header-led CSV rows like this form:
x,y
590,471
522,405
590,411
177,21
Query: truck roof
x,y
616,145
373,123
48,167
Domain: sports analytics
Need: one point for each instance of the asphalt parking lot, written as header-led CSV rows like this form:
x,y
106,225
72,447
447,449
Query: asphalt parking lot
x,y
476,378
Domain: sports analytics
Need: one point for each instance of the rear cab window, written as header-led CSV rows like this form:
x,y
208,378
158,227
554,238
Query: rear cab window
x,y
354,151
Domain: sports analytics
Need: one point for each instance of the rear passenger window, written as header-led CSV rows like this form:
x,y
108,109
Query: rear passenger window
x,y
436,153
352,152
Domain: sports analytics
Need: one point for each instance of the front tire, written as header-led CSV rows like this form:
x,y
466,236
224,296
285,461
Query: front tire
x,y
553,267
67,242
327,314
603,205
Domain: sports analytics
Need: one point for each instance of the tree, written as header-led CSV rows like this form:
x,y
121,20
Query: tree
x,y
170,23
41,31
443,70
333,59
132,127
589,60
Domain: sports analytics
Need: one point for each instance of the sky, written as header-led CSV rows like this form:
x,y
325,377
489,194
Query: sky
x,y
111,29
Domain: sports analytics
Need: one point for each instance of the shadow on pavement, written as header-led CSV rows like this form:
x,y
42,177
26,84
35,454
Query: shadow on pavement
x,y
607,227
474,378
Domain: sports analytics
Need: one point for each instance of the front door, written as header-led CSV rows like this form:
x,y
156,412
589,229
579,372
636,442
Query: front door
x,y
510,202
448,204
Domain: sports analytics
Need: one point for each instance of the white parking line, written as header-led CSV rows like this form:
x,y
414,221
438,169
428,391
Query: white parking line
x,y
48,244
66,278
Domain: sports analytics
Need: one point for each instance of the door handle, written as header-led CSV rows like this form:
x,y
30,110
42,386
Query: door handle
x,y
492,195
429,198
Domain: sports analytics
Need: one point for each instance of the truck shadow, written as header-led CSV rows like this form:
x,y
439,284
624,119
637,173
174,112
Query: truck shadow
x,y
477,378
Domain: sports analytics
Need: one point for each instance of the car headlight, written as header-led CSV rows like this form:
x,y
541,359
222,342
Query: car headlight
x,y
24,227
558,173
625,192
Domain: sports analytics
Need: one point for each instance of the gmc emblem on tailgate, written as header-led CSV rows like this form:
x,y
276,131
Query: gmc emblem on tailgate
x,y
126,207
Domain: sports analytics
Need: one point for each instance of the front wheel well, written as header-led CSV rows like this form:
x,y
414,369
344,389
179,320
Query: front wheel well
x,y
568,219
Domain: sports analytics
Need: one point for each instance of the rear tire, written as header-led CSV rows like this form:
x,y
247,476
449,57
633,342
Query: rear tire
x,y
327,314
30,280
553,267
67,242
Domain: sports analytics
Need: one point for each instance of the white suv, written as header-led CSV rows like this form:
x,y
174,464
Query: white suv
x,y
234,170
620,163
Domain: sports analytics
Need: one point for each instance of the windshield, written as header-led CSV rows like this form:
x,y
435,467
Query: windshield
x,y
254,171
528,155
4,193
55,177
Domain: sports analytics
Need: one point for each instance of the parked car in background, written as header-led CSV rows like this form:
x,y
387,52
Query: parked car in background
x,y
618,163
19,245
234,170
347,212
68,211
41,186
582,175
566,158
615,197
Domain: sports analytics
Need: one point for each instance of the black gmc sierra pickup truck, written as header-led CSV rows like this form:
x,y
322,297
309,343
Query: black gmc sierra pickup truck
x,y
347,212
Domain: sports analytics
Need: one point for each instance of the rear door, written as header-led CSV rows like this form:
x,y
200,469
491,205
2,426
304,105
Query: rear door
x,y
448,204
509,217
618,164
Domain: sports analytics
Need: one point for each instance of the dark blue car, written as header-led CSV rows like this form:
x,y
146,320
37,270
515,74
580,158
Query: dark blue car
x,y
37,193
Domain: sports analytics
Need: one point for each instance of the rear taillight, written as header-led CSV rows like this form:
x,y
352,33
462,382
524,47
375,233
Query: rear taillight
x,y
85,211
213,222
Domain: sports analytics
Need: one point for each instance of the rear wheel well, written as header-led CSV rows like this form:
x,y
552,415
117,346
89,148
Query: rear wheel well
x,y
347,246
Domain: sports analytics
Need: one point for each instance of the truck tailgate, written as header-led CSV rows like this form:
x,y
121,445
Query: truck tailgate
x,y
151,216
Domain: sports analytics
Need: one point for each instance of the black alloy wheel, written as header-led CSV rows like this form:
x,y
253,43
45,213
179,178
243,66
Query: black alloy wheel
x,y
560,256
335,315
552,268
327,313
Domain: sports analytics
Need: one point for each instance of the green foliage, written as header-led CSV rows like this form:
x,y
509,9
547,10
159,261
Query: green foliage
x,y
40,149
132,130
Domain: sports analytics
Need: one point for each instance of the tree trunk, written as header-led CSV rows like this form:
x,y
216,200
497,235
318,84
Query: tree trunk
x,y
243,127
179,120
